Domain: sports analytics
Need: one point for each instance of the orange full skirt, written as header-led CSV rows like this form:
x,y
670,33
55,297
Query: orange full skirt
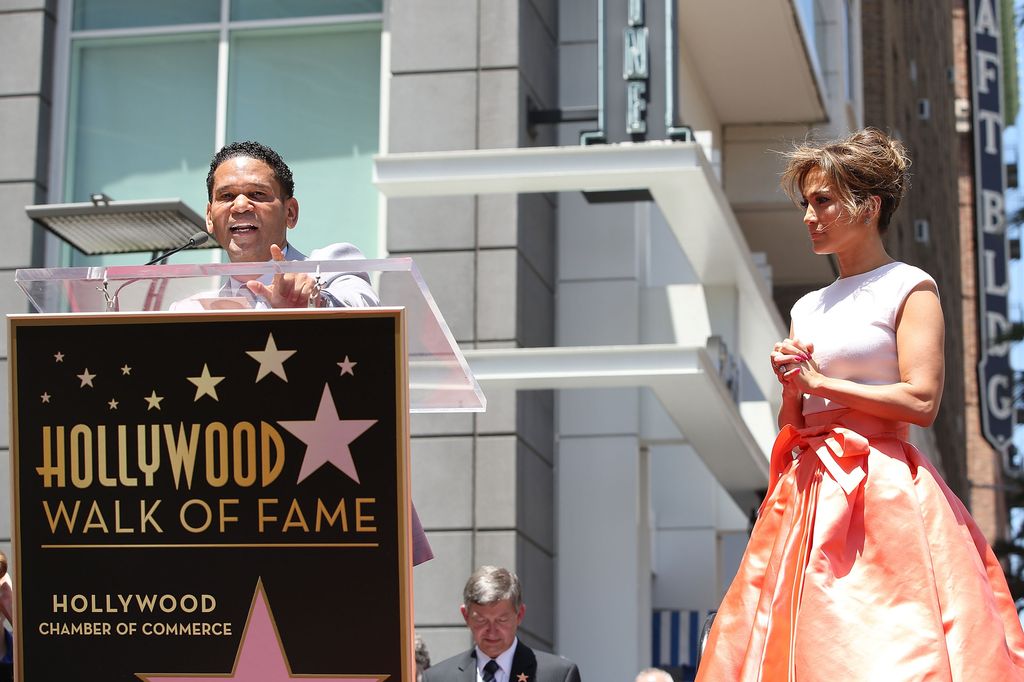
x,y
863,565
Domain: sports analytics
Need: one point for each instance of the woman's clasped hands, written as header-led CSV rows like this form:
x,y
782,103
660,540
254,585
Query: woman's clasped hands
x,y
794,366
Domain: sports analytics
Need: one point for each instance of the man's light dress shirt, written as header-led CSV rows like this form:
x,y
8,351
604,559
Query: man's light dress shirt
x,y
504,660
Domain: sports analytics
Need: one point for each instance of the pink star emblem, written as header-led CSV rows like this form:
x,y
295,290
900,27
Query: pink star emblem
x,y
327,438
261,656
346,366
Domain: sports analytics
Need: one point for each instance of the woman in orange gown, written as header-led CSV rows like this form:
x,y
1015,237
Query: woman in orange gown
x,y
862,565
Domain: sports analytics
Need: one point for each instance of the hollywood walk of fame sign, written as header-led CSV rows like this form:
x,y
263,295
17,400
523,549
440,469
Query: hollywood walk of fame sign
x,y
206,496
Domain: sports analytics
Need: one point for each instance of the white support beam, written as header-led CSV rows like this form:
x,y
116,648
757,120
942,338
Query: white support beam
x,y
683,379
676,174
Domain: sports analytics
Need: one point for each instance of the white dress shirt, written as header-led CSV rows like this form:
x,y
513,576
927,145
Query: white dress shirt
x,y
504,660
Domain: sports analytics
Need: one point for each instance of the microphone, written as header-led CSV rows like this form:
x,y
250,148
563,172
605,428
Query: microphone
x,y
198,239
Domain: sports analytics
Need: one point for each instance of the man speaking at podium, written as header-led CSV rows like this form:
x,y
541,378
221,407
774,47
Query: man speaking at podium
x,y
251,208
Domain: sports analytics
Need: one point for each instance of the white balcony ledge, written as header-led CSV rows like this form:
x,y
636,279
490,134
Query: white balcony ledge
x,y
677,175
683,379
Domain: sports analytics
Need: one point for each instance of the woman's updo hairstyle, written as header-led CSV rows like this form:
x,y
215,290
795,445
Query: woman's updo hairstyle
x,y
865,164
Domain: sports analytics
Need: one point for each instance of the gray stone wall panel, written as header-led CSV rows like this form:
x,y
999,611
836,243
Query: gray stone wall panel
x,y
535,422
538,53
598,313
20,134
496,482
18,230
537,234
433,35
445,642
535,308
577,20
547,10
598,412
596,240
431,223
429,112
438,583
500,417
441,481
22,45
12,300
499,24
28,5
577,75
535,498
497,294
501,109
497,220
450,277
495,548
442,424
536,571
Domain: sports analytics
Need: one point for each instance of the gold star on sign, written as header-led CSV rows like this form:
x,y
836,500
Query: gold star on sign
x,y
45,397
206,384
58,357
113,404
271,359
126,370
86,378
154,401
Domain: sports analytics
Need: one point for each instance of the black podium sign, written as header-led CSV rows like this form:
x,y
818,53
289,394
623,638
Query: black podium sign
x,y
211,496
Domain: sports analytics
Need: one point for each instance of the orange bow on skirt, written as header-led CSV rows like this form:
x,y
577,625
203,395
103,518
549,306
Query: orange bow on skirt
x,y
863,565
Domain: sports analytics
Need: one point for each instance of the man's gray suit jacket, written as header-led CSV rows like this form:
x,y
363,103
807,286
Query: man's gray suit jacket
x,y
341,290
527,666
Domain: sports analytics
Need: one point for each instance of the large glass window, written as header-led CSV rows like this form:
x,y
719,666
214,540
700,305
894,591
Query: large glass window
x,y
280,9
145,80
106,14
314,92
130,135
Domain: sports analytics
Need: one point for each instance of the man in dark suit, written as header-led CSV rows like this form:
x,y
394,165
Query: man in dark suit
x,y
493,608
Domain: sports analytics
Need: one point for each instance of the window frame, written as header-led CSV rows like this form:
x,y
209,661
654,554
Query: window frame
x,y
61,106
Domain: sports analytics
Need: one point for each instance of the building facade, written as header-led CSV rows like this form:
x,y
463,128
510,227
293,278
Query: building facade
x,y
616,291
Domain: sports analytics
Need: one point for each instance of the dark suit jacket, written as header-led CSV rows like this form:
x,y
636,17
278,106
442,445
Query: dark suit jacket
x,y
537,666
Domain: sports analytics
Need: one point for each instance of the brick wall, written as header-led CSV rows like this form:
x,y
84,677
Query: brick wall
x,y
908,55
984,499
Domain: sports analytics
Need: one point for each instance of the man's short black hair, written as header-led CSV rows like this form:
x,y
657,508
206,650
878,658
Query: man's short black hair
x,y
253,150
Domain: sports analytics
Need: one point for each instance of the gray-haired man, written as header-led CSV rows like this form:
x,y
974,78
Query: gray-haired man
x,y
493,608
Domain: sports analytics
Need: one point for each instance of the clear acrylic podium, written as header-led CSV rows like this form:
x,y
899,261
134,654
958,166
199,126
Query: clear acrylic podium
x,y
279,482
439,377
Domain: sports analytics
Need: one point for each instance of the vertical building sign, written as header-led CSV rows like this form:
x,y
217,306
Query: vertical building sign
x,y
639,101
635,68
994,372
